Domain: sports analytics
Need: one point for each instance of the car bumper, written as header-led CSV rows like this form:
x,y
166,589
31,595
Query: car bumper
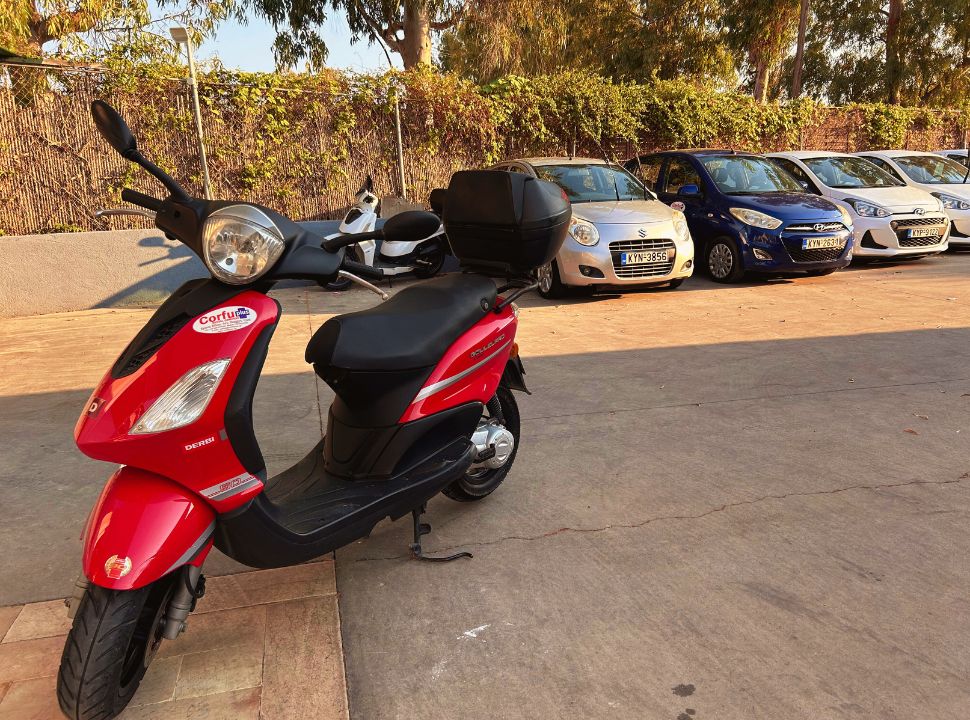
x,y
959,228
781,251
877,238
583,266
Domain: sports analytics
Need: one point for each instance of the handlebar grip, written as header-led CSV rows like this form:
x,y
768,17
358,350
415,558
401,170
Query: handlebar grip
x,y
141,199
362,270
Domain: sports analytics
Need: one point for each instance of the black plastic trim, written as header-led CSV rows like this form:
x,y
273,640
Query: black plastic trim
x,y
513,377
239,409
191,299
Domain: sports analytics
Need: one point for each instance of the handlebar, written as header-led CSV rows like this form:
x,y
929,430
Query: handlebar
x,y
141,199
362,270
335,243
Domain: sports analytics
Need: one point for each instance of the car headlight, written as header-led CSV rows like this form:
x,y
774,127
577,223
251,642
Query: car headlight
x,y
184,401
951,202
680,226
583,232
867,209
240,243
755,218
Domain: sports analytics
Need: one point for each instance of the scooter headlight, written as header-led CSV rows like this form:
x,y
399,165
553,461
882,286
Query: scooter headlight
x,y
184,402
240,243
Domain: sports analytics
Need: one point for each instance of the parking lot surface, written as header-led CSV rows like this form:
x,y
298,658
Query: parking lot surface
x,y
730,502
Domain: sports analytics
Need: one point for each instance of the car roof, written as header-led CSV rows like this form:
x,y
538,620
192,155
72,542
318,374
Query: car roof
x,y
805,154
558,161
896,153
702,151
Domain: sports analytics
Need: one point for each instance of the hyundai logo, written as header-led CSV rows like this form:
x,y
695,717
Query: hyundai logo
x,y
918,211
819,227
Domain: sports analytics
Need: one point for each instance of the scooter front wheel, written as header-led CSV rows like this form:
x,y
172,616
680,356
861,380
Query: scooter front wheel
x,y
480,480
113,640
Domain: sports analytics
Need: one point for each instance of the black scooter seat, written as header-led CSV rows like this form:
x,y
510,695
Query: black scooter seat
x,y
411,330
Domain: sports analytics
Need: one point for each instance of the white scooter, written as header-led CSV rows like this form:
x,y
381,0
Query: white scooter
x,y
424,258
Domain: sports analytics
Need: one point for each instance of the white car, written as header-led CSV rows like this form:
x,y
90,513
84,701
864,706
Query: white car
x,y
944,179
620,233
961,156
891,219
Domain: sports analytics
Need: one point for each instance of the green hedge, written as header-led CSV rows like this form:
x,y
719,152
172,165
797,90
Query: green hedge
x,y
302,143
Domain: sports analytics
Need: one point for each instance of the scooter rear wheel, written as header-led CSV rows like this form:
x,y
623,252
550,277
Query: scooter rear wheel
x,y
435,260
113,640
481,482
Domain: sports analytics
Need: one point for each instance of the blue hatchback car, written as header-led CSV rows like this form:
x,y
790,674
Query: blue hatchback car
x,y
747,215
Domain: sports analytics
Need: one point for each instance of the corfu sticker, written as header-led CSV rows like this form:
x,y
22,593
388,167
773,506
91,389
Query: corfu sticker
x,y
225,320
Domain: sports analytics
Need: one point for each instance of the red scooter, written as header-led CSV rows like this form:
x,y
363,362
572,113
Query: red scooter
x,y
423,405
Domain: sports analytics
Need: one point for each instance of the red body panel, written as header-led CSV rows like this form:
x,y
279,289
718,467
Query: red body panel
x,y
471,369
142,527
198,455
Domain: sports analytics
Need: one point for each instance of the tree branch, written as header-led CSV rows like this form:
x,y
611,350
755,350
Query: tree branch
x,y
453,18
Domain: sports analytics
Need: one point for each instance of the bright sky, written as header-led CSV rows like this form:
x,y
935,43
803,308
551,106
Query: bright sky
x,y
249,47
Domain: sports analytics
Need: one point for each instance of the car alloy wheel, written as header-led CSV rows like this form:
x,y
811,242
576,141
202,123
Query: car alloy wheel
x,y
721,261
544,276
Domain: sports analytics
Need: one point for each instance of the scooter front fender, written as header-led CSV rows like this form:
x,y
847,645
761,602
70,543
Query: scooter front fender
x,y
143,527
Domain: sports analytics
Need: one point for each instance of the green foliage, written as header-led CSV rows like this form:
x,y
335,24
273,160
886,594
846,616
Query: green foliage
x,y
887,126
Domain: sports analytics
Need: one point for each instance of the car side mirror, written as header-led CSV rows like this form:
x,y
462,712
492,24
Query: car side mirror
x,y
411,226
689,191
113,128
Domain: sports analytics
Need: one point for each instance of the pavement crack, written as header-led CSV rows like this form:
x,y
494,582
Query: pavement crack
x,y
665,518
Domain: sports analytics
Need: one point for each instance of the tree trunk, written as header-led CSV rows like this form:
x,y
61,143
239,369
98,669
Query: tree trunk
x,y
761,80
417,34
796,79
894,62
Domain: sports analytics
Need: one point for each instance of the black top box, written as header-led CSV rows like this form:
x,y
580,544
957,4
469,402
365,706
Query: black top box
x,y
502,223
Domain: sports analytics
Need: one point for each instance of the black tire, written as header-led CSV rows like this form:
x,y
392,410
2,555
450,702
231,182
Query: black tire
x,y
340,284
475,486
436,260
821,273
551,286
111,643
676,283
723,262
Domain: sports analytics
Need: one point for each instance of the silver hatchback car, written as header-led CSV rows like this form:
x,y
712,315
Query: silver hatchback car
x,y
620,234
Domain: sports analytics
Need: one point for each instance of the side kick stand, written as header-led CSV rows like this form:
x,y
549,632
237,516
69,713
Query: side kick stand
x,y
420,529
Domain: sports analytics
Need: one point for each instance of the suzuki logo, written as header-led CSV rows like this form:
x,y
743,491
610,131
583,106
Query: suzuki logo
x,y
642,233
918,211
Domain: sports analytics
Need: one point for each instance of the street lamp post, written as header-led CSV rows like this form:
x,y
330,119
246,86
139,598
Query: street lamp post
x,y
181,36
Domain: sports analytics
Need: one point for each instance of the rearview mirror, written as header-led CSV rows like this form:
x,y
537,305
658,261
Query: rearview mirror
x,y
411,226
689,191
113,128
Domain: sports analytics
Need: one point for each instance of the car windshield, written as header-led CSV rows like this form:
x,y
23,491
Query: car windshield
x,y
742,175
594,183
932,169
850,172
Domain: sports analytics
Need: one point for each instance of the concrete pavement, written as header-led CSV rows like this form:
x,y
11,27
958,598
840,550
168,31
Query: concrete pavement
x,y
729,502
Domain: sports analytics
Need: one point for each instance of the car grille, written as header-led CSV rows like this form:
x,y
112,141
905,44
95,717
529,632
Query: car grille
x,y
919,242
827,227
816,255
918,222
901,226
643,269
